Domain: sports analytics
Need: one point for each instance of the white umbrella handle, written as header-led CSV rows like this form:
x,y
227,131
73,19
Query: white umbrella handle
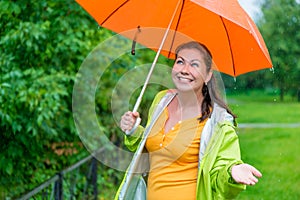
x,y
138,102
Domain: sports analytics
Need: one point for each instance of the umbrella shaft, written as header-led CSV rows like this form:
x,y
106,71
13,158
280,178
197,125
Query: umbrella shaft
x,y
138,102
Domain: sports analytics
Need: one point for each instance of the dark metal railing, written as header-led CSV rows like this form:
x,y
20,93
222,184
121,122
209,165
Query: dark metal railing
x,y
58,180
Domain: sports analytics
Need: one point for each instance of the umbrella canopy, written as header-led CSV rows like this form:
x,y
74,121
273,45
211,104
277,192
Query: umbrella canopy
x,y
223,26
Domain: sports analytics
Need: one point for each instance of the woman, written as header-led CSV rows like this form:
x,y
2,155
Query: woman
x,y
190,137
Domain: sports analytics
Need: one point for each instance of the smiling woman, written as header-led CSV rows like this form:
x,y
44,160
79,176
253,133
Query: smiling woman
x,y
190,139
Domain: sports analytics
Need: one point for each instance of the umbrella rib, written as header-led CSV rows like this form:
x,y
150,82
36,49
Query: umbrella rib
x,y
112,13
228,38
177,24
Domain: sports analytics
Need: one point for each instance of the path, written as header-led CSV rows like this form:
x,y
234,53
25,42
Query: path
x,y
269,125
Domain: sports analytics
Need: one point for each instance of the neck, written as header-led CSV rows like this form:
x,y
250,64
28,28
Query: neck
x,y
186,105
190,99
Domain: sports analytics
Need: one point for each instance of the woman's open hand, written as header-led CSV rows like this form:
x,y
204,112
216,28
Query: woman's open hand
x,y
245,174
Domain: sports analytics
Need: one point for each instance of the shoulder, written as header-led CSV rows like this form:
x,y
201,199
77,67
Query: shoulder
x,y
164,93
221,116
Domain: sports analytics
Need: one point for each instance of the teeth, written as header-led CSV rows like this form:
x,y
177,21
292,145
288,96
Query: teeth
x,y
184,79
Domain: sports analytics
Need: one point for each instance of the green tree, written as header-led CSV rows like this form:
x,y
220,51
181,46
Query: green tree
x,y
43,43
280,25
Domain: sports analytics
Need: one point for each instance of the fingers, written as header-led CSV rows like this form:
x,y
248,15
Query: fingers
x,y
136,114
128,120
250,180
255,172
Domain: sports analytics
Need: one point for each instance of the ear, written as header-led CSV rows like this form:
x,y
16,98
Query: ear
x,y
208,76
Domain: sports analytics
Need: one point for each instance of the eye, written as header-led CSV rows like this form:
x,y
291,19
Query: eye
x,y
194,64
179,61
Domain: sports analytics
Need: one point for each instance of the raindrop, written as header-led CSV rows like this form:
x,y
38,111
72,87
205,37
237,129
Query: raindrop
x,y
272,70
234,88
234,79
275,100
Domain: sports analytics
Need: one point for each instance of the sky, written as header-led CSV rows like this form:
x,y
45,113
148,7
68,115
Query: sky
x,y
251,7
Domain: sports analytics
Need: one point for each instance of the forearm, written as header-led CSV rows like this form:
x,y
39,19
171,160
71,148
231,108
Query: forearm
x,y
228,156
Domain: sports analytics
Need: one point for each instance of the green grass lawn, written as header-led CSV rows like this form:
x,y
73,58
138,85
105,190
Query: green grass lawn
x,y
262,108
275,152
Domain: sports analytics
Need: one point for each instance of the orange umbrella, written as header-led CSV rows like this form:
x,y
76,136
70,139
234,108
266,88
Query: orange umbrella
x,y
223,26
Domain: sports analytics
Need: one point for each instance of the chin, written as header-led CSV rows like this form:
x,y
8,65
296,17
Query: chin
x,y
186,88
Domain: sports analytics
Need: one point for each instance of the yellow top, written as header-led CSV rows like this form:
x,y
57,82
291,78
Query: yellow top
x,y
173,159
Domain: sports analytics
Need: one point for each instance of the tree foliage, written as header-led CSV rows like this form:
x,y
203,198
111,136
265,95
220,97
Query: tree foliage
x,y
43,43
280,25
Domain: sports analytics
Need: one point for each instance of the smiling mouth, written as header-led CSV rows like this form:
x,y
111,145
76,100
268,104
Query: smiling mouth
x,y
184,79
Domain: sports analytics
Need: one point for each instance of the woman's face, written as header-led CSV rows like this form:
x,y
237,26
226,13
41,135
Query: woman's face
x,y
189,70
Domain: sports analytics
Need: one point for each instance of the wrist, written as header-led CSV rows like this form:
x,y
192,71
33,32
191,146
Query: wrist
x,y
235,164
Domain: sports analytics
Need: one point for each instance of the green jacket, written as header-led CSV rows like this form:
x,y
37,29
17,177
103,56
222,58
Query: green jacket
x,y
219,151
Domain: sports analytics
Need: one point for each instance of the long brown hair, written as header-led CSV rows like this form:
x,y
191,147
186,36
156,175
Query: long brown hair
x,y
209,89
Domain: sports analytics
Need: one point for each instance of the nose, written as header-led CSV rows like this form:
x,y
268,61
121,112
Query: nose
x,y
185,68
